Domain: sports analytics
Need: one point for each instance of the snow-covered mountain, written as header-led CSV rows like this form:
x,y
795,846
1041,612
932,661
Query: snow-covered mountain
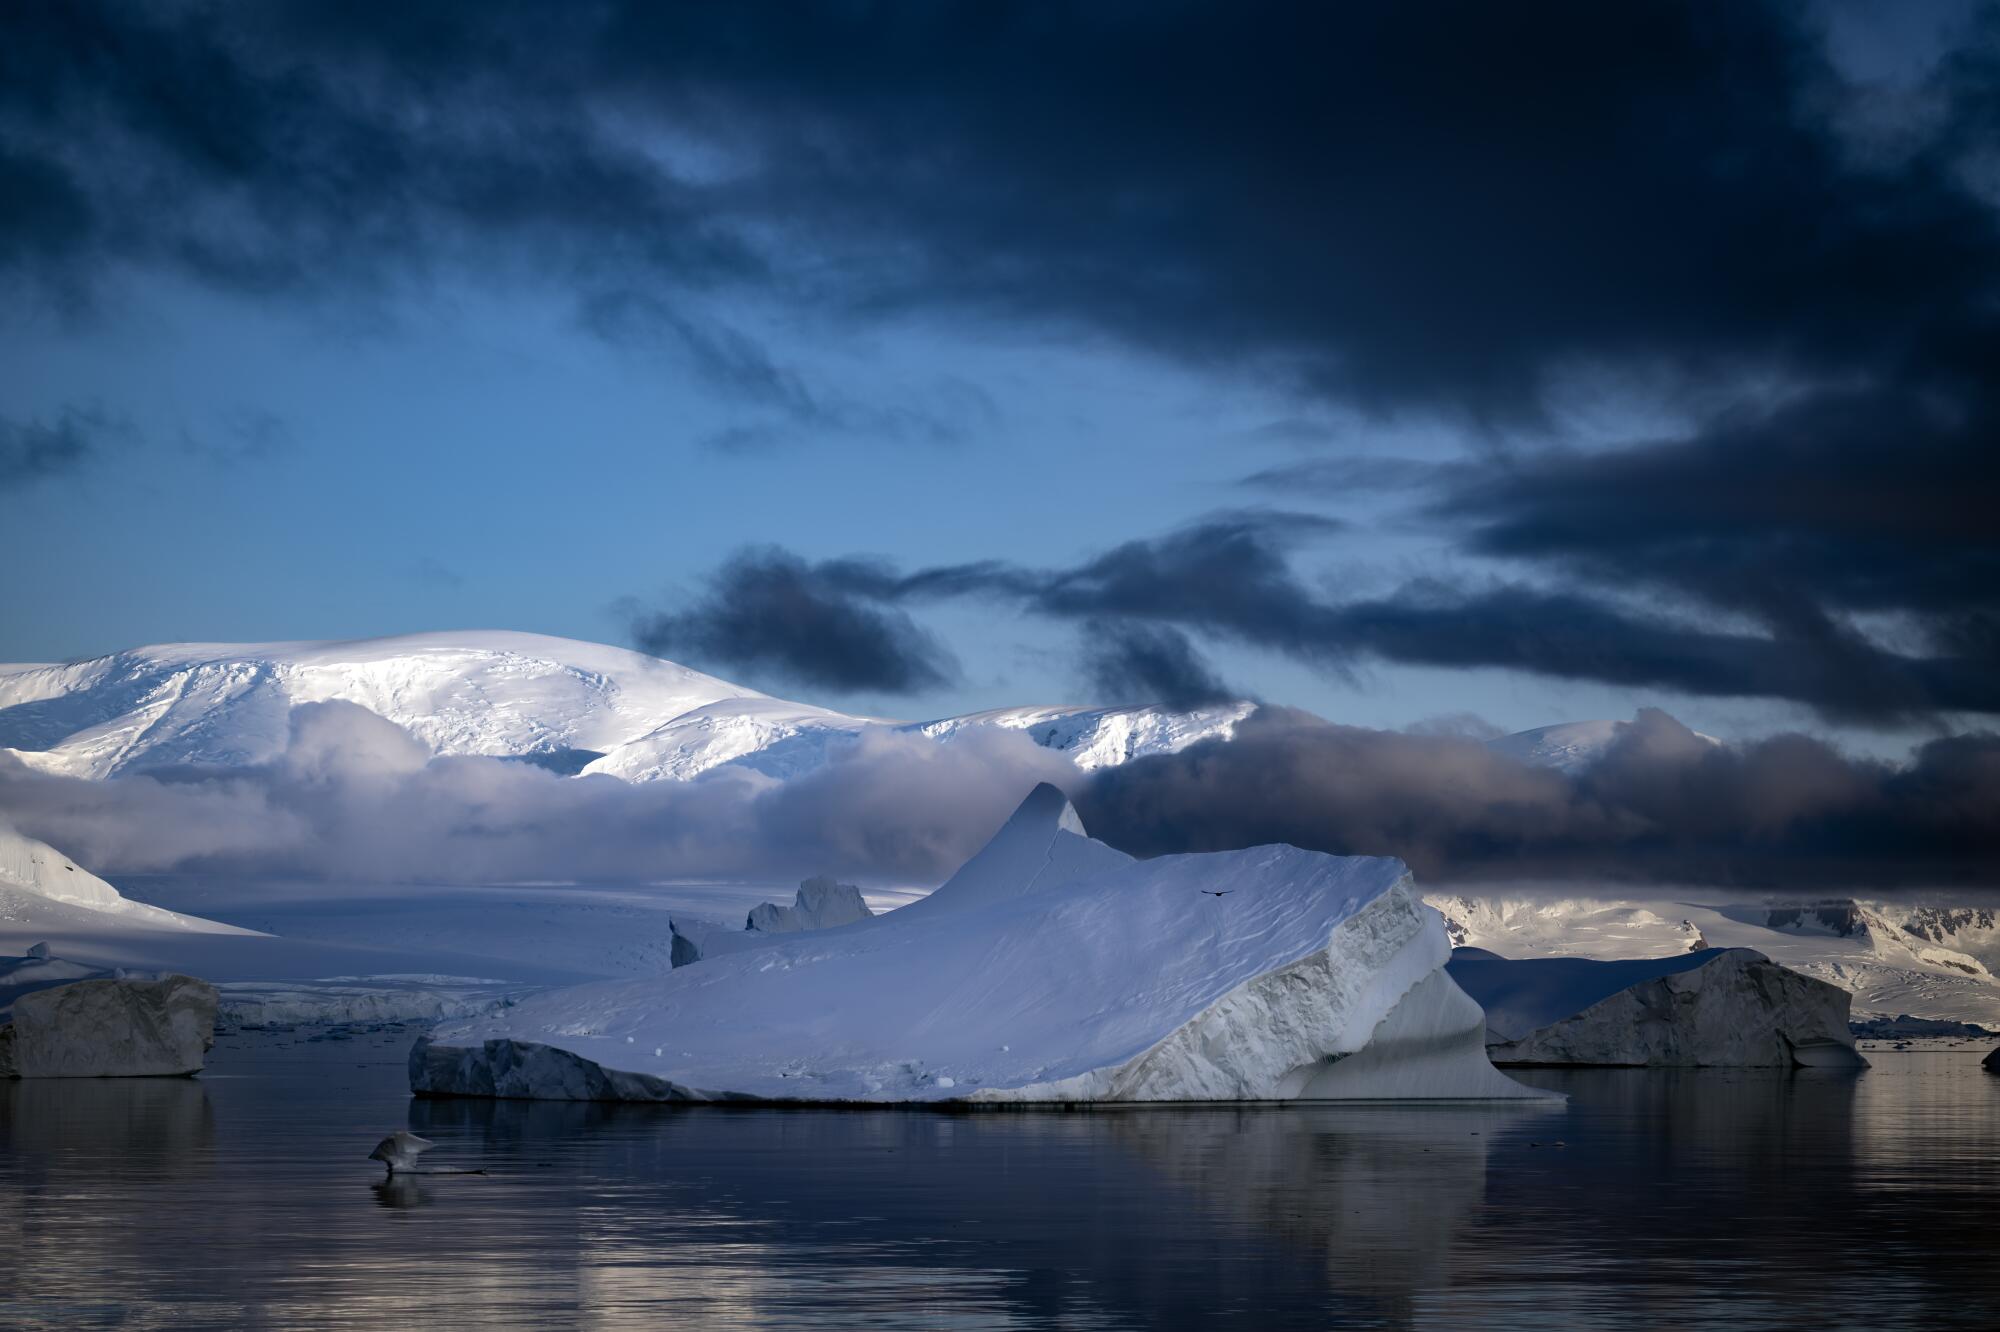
x,y
228,704
1568,747
567,705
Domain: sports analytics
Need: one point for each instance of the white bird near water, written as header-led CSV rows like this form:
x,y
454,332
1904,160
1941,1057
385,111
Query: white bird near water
x,y
399,1152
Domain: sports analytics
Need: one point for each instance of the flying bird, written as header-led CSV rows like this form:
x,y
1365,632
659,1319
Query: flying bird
x,y
1218,892
399,1151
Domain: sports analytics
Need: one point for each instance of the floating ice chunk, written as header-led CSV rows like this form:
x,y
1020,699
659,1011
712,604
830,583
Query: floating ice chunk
x,y
1720,1006
110,1029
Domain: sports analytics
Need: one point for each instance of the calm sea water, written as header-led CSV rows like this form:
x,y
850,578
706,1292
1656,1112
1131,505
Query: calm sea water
x,y
1655,1199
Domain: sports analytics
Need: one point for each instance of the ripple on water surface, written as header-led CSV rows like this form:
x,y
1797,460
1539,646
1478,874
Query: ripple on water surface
x,y
244,1199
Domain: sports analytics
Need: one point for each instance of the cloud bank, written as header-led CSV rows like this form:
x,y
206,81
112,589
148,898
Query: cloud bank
x,y
354,797
1662,805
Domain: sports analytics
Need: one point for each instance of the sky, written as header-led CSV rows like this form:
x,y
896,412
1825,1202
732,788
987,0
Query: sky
x,y
1448,365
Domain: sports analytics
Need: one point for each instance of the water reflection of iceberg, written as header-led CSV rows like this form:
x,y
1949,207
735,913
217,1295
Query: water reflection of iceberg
x,y
741,1216
144,1126
1378,1193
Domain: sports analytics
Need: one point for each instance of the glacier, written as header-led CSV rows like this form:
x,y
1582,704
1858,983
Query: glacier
x,y
1719,1007
1050,969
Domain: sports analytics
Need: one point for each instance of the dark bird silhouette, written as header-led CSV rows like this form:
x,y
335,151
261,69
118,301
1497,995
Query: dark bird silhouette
x,y
1218,892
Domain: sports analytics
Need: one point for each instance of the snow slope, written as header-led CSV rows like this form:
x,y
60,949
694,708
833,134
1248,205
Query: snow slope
x,y
41,888
1051,968
568,705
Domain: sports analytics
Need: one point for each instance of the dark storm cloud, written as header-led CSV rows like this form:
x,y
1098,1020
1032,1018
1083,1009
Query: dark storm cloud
x,y
35,450
1832,505
1432,203
1231,576
1148,663
1439,208
1872,500
773,616
1662,804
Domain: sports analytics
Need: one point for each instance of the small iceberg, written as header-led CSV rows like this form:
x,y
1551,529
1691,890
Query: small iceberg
x,y
104,1025
1051,968
820,904
1719,1007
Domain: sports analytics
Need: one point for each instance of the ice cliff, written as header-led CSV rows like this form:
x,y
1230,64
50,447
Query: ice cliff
x,y
1716,1007
1050,968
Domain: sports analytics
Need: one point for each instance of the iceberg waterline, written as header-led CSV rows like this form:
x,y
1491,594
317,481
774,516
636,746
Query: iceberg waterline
x,y
1051,968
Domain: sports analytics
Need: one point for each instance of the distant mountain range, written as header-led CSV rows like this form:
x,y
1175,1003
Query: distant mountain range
x,y
570,706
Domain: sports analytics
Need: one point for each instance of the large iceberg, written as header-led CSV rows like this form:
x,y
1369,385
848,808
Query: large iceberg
x,y
1050,968
1717,1007
117,1027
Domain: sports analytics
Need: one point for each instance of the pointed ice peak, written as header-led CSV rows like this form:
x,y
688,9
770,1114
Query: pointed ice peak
x,y
1071,821
1046,806
1041,846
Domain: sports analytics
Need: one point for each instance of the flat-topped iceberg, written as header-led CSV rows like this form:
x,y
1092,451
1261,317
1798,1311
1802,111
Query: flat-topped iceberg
x,y
114,1027
1050,968
1717,1007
